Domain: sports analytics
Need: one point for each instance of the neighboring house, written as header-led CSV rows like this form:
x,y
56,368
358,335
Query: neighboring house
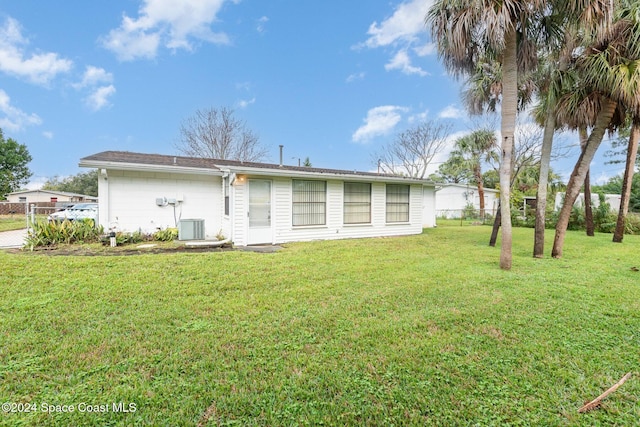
x,y
612,199
255,203
453,199
50,196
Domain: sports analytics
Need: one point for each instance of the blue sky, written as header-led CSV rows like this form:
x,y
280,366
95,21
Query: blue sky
x,y
330,80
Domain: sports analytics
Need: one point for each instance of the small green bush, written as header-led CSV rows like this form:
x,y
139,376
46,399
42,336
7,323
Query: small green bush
x,y
166,235
43,233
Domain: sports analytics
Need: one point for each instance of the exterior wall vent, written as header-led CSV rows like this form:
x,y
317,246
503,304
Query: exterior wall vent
x,y
191,229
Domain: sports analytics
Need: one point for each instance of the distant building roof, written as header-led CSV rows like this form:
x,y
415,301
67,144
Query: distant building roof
x,y
466,186
54,192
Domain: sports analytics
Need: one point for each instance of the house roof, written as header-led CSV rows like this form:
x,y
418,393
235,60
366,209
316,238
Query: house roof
x,y
132,161
469,186
55,192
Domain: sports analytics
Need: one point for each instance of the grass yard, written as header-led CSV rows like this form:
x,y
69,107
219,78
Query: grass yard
x,y
12,222
421,330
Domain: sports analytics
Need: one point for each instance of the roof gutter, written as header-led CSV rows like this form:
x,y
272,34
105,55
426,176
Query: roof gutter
x,y
319,175
142,167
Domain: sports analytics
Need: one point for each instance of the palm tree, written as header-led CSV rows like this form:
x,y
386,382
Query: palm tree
x,y
508,32
475,148
572,18
627,180
611,78
475,30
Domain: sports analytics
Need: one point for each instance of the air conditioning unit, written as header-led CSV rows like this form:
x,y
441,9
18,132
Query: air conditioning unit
x,y
191,229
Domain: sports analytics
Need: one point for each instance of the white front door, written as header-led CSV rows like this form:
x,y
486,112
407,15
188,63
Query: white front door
x,y
260,230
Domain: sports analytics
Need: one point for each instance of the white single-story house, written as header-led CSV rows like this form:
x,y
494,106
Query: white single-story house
x,y
612,199
453,199
255,203
51,196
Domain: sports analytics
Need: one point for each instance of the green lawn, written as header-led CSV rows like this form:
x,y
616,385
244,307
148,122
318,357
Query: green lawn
x,y
12,222
421,330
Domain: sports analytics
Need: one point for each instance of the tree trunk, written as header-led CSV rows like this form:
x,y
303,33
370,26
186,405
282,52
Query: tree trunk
x,y
496,227
508,125
478,174
579,173
588,212
543,183
627,180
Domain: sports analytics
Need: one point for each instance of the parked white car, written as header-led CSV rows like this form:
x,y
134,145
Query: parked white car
x,y
76,212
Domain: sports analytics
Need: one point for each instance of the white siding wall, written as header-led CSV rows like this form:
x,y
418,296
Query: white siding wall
x,y
428,207
455,198
334,228
131,200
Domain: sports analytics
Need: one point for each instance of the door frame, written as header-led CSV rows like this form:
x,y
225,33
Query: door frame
x,y
260,235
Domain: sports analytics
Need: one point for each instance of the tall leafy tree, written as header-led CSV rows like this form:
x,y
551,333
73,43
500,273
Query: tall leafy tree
x,y
475,149
453,170
14,172
82,183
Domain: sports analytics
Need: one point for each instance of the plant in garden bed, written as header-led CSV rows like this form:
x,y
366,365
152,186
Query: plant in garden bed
x,y
43,233
166,235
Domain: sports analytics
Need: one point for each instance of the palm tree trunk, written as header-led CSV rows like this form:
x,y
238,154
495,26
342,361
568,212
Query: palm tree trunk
x,y
627,180
478,175
579,173
588,212
508,125
543,183
496,227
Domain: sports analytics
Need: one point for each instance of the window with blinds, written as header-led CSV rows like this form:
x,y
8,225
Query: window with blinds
x,y
309,202
357,203
397,203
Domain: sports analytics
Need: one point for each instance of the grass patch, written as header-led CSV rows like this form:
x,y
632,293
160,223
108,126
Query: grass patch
x,y
420,330
12,222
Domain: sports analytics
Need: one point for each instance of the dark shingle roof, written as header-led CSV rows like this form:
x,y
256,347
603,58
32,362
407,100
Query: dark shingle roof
x,y
215,164
151,159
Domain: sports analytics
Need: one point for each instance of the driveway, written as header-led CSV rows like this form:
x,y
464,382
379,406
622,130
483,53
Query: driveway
x,y
12,239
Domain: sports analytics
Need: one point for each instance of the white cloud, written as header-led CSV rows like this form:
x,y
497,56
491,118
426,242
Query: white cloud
x,y
13,118
94,76
169,23
402,62
38,68
405,33
97,83
244,103
451,112
261,22
47,134
99,98
427,49
404,25
355,76
379,121
420,117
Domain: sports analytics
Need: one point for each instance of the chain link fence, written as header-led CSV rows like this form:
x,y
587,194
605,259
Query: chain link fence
x,y
15,219
465,216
